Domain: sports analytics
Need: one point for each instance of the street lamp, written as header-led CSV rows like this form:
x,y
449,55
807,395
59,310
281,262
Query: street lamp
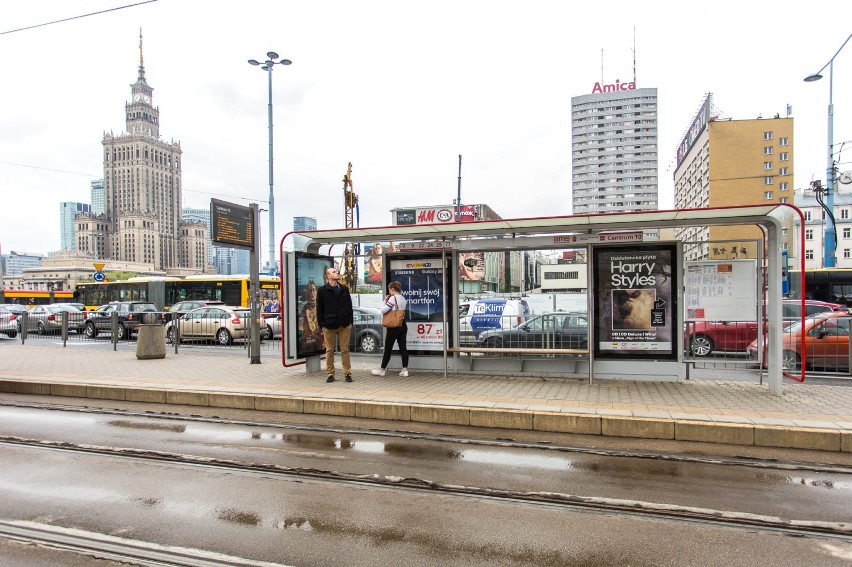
x,y
267,66
830,243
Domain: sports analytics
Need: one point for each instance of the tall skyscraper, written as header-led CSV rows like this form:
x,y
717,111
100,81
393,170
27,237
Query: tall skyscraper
x,y
67,211
142,222
203,216
304,223
732,162
98,197
614,149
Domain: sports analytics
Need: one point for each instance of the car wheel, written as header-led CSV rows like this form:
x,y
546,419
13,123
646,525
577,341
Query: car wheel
x,y
494,342
701,345
90,330
170,335
40,329
12,334
790,361
223,336
368,343
122,332
267,333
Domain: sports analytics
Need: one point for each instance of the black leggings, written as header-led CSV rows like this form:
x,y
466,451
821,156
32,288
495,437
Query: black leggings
x,y
396,334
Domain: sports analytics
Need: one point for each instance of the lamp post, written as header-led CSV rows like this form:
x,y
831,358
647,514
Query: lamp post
x,y
830,242
267,66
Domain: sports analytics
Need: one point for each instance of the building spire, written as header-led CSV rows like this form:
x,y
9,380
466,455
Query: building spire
x,y
141,61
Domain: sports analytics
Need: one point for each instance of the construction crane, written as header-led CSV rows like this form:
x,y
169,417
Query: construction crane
x,y
348,263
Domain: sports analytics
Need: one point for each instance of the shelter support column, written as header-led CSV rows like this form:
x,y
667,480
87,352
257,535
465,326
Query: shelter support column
x,y
773,307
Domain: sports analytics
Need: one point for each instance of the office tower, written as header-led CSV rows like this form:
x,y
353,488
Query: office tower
x,y
614,149
67,212
724,162
98,198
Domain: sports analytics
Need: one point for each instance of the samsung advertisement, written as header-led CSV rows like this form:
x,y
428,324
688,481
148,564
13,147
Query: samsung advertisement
x,y
421,278
635,301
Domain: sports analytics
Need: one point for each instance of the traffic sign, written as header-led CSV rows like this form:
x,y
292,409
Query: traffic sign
x,y
99,276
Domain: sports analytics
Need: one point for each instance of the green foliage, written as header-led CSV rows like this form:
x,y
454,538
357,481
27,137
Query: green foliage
x,y
118,275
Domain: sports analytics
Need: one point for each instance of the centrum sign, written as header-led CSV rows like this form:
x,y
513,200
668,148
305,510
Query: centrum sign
x,y
600,238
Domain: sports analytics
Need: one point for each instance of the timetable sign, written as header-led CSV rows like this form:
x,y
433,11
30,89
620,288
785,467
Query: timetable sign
x,y
231,225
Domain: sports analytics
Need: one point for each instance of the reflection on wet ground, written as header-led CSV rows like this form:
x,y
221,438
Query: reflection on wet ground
x,y
176,428
239,517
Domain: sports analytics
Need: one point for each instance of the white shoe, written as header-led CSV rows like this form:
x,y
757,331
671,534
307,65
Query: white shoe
x,y
404,373
377,372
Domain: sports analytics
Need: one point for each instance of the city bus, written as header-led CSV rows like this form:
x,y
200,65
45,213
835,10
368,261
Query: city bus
x,y
166,291
825,284
31,297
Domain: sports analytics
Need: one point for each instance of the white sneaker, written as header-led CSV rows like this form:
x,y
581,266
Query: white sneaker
x,y
404,373
377,372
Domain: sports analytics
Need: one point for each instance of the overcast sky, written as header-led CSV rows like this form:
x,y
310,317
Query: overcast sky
x,y
399,89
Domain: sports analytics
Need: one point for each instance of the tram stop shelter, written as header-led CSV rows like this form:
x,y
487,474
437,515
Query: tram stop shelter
x,y
625,259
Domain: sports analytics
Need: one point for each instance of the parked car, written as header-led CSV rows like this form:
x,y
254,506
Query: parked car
x,y
367,329
221,323
10,323
549,330
45,319
826,343
272,326
181,308
78,306
366,336
129,313
490,313
706,337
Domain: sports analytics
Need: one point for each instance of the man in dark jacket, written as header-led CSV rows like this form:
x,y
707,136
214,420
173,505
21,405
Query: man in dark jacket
x,y
334,315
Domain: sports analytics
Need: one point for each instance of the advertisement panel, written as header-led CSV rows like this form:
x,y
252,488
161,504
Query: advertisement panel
x,y
308,274
421,278
472,266
635,301
467,213
374,262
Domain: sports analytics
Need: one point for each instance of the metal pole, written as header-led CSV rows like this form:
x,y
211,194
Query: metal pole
x,y
254,328
272,265
830,230
458,196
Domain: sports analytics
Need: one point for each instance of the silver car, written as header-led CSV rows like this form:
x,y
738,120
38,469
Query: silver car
x,y
220,322
10,320
46,319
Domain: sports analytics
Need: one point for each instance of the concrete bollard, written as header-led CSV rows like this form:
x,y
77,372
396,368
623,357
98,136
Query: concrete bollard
x,y
151,341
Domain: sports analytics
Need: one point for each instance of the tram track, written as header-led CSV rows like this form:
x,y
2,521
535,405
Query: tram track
x,y
768,464
112,548
842,530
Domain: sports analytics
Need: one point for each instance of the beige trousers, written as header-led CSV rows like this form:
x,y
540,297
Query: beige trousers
x,y
341,335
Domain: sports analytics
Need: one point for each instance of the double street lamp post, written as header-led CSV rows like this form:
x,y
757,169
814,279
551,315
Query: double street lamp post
x,y
267,66
830,241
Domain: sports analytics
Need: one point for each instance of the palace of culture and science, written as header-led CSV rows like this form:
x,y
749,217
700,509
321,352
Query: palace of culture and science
x,y
141,227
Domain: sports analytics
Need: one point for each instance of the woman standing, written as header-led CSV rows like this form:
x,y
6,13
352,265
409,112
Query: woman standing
x,y
394,302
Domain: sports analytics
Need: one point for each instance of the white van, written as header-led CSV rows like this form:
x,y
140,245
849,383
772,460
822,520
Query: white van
x,y
482,315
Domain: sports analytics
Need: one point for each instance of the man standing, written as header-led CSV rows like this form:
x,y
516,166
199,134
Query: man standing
x,y
334,314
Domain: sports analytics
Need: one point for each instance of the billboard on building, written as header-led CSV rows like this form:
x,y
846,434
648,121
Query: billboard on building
x,y
698,124
635,301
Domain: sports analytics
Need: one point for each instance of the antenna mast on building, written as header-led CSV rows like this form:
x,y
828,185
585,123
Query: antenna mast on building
x,y
602,65
634,55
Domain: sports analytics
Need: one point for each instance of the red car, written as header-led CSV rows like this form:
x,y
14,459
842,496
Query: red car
x,y
705,337
826,343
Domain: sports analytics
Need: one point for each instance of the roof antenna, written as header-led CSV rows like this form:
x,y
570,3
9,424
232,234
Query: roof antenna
x,y
634,55
602,65
141,62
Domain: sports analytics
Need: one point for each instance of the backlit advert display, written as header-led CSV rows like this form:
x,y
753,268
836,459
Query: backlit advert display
x,y
635,301
421,278
309,277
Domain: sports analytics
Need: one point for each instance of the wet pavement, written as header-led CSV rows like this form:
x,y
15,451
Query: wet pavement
x,y
806,416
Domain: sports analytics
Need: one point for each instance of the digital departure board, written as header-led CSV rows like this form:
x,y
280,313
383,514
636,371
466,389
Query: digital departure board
x,y
231,225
